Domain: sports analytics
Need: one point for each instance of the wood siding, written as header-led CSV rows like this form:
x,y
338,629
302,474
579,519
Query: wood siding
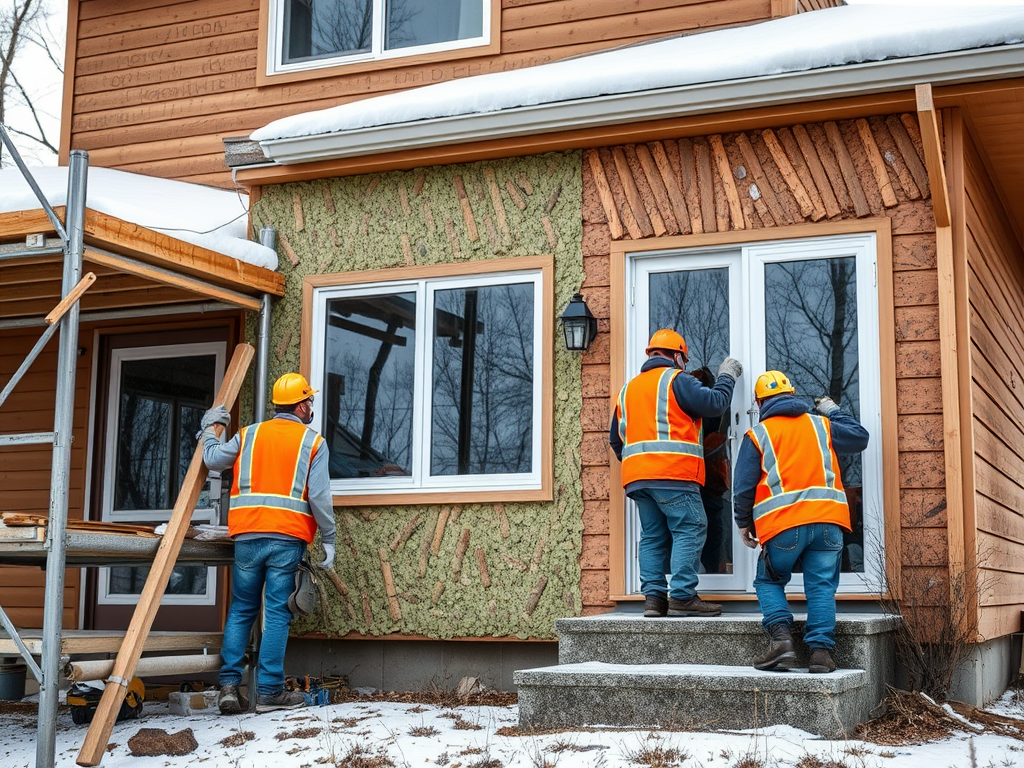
x,y
825,172
995,279
156,88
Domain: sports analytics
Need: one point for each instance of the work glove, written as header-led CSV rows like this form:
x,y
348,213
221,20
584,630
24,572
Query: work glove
x,y
825,405
216,415
748,537
731,367
328,556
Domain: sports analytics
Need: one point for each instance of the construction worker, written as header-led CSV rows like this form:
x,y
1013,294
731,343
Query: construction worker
x,y
280,495
655,433
788,496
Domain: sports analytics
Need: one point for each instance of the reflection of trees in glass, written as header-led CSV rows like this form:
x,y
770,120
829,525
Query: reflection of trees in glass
x,y
482,420
316,28
696,304
184,580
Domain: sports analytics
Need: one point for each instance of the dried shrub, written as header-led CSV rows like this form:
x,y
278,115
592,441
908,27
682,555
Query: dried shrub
x,y
360,757
423,731
237,739
299,733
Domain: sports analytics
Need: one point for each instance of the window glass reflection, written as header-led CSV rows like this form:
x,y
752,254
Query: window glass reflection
x,y
184,580
319,28
482,419
368,384
811,335
423,22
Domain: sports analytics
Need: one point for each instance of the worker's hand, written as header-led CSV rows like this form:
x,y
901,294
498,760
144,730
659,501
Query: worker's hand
x,y
825,405
748,537
731,367
328,556
216,415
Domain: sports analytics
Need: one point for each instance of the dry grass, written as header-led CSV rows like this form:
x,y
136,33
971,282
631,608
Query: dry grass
x,y
423,731
359,757
813,761
435,697
658,755
237,739
299,733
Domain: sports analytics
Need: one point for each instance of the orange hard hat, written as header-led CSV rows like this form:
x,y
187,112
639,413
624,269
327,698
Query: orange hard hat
x,y
669,340
772,383
292,388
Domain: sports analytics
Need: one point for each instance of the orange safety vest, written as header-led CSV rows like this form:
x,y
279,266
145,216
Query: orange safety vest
x,y
800,482
659,440
269,493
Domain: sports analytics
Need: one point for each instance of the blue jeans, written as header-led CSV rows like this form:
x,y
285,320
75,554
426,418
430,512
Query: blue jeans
x,y
261,566
673,528
820,545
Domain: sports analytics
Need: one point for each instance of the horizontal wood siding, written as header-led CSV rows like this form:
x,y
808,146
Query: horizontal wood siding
x,y
996,293
156,87
760,180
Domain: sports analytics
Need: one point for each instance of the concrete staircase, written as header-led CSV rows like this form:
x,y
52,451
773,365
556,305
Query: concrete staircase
x,y
622,669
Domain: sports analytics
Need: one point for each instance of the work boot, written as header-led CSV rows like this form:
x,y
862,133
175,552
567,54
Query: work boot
x,y
821,662
655,605
230,701
780,655
269,702
693,606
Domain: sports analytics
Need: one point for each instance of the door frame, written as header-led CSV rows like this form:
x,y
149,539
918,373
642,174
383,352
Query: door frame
x,y
619,304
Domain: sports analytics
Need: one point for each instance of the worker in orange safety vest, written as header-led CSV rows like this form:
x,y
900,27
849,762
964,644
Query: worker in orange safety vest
x,y
788,497
656,434
280,496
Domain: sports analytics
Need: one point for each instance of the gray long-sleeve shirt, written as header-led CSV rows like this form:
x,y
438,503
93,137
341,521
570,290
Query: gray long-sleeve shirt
x,y
220,456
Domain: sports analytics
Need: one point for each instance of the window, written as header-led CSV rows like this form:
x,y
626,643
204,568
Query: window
x,y
433,384
308,34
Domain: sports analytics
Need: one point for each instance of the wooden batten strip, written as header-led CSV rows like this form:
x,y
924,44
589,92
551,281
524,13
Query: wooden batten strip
x,y
658,188
815,168
604,192
808,208
688,173
894,158
467,210
499,206
861,207
909,153
725,174
933,155
819,144
513,192
633,199
753,164
877,164
675,195
636,171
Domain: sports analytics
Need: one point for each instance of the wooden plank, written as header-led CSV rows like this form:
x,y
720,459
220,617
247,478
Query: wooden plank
x,y
537,14
16,225
778,211
659,188
675,194
820,146
816,169
68,301
98,736
933,154
861,207
182,14
604,192
808,208
909,153
647,196
691,186
86,641
877,164
212,60
633,199
894,158
725,174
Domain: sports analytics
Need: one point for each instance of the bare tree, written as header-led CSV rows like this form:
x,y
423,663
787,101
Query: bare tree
x,y
23,26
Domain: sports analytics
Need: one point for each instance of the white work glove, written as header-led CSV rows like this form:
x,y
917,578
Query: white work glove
x,y
825,405
328,556
748,537
731,367
216,415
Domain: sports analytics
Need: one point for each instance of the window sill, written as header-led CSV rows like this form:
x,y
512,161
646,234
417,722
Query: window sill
x,y
412,498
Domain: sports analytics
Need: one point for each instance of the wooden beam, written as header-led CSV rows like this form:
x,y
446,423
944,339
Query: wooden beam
x,y
73,295
98,737
933,154
15,225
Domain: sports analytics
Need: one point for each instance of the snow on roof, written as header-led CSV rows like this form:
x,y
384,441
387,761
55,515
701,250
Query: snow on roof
x,y
214,219
807,41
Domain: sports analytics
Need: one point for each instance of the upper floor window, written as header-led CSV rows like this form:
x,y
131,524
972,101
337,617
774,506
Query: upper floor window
x,y
318,33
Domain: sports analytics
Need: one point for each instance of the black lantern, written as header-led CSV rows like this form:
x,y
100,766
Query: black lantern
x,y
578,324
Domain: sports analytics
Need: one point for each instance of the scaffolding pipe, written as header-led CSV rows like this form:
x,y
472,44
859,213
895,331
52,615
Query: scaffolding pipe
x,y
67,356
27,362
151,666
27,438
13,632
50,213
268,237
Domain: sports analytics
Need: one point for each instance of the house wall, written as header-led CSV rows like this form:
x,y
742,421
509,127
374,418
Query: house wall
x,y
995,279
476,212
152,87
822,173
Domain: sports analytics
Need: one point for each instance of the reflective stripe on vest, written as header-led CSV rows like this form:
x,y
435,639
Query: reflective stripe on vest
x,y
811,490
269,494
659,440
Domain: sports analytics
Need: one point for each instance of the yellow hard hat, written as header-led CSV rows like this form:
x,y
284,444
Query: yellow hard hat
x,y
292,388
772,383
668,339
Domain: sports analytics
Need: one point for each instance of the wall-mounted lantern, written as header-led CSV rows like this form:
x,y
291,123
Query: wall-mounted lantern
x,y
578,325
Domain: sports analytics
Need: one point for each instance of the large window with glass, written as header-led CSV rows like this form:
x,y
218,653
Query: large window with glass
x,y
306,34
431,384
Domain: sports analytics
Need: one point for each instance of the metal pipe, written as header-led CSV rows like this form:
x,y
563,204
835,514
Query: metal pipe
x,y
151,666
29,252
268,238
13,632
67,356
50,213
27,362
27,438
125,314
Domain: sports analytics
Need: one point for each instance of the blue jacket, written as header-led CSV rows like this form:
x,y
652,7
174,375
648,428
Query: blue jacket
x,y
848,436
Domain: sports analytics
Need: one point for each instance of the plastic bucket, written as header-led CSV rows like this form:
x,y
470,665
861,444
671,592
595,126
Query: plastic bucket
x,y
12,682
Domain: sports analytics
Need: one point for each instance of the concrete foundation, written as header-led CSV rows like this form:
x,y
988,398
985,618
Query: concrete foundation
x,y
990,669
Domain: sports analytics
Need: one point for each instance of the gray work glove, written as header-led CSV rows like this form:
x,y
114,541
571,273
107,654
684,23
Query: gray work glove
x,y
216,415
748,537
825,405
328,556
731,367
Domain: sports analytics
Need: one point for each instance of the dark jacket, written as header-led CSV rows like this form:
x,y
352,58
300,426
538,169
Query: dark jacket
x,y
848,436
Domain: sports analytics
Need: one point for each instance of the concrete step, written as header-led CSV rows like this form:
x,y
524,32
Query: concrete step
x,y
863,641
691,696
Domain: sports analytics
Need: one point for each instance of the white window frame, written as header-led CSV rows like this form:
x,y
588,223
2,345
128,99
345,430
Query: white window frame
x,y
107,513
420,481
275,43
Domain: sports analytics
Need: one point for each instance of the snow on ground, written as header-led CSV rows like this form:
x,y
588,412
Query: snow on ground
x,y
215,219
411,735
807,41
